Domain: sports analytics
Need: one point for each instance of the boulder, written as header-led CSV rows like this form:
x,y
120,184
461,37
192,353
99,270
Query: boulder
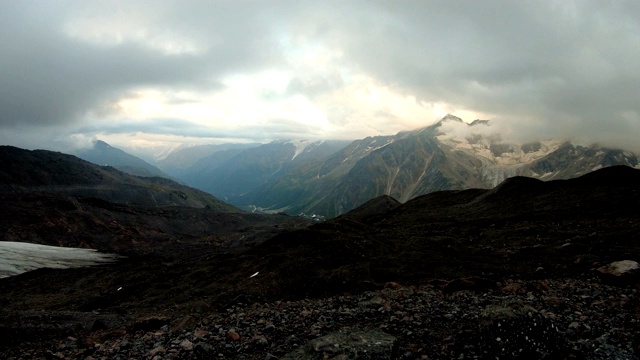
x,y
186,345
348,344
517,331
623,272
233,336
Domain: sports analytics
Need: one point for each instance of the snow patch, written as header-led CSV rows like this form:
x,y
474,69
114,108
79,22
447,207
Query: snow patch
x,y
301,145
373,148
480,145
494,175
370,148
17,257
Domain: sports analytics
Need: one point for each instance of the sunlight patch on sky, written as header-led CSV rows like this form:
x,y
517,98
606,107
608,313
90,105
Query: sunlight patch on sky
x,y
319,95
290,69
351,109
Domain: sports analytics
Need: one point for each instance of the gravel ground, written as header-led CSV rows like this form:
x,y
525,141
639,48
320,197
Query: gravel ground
x,y
593,321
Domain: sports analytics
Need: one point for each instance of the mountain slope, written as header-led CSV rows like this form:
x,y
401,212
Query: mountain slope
x,y
418,162
523,242
104,154
515,228
546,159
179,163
24,171
566,227
232,173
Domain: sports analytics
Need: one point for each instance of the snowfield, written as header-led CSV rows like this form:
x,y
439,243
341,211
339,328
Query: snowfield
x,y
17,258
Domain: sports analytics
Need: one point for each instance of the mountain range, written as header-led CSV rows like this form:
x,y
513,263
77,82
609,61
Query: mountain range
x,y
403,166
271,280
58,199
233,172
324,179
181,163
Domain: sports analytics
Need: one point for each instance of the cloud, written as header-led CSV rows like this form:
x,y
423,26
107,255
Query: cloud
x,y
561,67
60,62
259,71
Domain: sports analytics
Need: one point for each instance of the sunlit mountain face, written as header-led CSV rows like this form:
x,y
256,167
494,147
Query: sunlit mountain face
x,y
330,178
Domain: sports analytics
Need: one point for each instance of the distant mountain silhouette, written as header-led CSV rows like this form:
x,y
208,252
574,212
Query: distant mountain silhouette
x,y
104,154
46,171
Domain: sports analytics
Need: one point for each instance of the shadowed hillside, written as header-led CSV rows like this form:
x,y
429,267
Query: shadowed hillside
x,y
104,154
24,171
512,230
525,233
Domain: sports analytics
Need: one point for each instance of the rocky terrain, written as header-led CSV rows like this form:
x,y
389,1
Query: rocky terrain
x,y
518,271
593,321
449,155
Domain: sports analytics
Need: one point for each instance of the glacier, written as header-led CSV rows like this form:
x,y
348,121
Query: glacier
x,y
18,257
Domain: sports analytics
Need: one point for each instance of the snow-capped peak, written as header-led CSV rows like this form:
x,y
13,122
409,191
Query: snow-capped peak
x,y
450,117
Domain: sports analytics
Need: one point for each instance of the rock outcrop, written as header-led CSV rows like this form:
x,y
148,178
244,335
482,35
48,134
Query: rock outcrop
x,y
348,344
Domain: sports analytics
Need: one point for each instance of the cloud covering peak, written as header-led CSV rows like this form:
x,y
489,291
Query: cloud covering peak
x,y
167,72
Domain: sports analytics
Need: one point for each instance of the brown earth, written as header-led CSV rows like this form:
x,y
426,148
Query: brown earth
x,y
194,263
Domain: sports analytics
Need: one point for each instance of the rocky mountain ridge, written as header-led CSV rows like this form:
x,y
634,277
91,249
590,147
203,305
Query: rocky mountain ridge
x,y
324,179
418,162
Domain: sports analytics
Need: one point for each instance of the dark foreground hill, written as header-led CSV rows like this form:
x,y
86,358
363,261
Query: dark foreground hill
x,y
24,171
445,259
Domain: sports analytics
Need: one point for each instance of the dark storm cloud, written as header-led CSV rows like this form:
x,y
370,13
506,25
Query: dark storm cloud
x,y
552,62
49,78
543,68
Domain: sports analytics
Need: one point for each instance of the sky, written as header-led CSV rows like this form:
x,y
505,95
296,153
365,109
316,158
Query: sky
x,y
151,76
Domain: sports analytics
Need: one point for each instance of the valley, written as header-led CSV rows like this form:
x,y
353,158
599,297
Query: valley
x,y
202,282
330,178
